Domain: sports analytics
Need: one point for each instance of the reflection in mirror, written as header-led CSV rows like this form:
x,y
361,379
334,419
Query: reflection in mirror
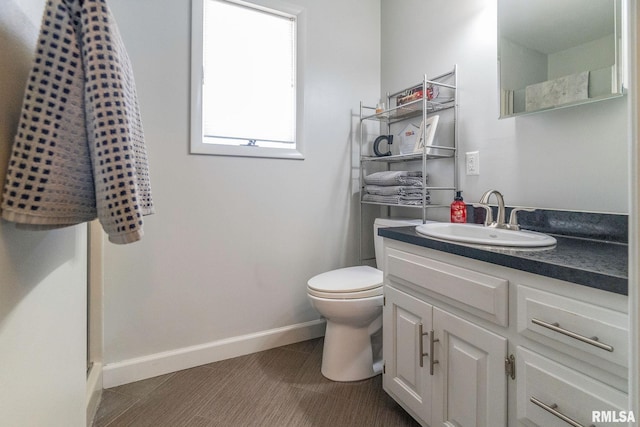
x,y
557,53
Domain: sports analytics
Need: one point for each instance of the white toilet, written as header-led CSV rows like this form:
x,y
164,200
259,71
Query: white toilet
x,y
351,301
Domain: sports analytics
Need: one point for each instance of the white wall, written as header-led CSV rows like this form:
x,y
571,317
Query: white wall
x,y
593,55
525,65
42,274
235,240
574,159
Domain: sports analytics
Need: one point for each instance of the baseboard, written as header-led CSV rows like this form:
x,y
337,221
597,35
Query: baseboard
x,y
94,391
140,368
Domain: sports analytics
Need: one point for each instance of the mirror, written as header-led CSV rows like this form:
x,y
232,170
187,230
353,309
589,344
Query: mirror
x,y
557,53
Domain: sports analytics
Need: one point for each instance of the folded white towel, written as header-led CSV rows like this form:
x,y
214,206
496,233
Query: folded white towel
x,y
394,178
79,151
411,200
393,190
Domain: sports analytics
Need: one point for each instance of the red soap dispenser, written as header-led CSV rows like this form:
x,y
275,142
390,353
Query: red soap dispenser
x,y
458,209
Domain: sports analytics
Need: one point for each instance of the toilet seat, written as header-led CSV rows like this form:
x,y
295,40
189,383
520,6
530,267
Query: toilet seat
x,y
347,283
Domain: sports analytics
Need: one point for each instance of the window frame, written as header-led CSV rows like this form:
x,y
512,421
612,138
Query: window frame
x,y
197,144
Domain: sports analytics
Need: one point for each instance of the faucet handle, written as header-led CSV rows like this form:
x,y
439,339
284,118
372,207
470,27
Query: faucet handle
x,y
488,218
513,218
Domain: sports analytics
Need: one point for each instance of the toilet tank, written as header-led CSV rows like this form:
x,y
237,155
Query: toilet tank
x,y
388,222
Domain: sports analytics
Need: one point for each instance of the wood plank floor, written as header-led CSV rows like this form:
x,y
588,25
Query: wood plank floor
x,y
279,387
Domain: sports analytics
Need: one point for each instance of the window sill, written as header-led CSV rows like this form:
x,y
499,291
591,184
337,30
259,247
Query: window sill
x,y
245,151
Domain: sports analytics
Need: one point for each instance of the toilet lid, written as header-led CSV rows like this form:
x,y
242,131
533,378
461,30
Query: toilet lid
x,y
347,280
345,295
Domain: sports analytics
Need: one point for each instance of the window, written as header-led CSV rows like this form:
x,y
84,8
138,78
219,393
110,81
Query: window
x,y
244,75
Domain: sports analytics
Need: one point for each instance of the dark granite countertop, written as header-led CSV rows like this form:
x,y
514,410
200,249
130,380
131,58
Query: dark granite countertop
x,y
594,263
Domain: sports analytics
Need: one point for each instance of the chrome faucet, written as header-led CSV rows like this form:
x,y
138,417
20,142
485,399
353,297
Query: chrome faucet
x,y
484,203
513,218
500,220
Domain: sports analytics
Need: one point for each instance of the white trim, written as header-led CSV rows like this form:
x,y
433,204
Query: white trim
x,y
633,51
95,268
254,6
94,391
199,147
197,34
141,368
95,276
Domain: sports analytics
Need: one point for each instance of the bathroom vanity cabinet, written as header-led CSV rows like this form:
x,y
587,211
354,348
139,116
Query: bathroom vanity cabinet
x,y
470,343
462,382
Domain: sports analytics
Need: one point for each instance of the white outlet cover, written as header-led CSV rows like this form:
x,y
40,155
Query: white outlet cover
x,y
472,162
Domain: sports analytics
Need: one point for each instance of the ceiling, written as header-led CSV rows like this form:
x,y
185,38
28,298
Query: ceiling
x,y
550,26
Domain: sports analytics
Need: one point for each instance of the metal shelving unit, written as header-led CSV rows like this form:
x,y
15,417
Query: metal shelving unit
x,y
424,107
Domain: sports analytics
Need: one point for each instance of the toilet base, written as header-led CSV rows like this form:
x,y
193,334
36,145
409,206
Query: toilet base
x,y
347,354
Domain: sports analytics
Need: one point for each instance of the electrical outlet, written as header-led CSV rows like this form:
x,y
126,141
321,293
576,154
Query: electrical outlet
x,y
472,162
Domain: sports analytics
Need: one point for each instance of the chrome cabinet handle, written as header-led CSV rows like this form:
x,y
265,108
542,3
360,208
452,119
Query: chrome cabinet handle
x,y
552,409
421,345
432,360
556,327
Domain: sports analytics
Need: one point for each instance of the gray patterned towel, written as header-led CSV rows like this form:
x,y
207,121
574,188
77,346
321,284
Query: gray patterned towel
x,y
393,190
79,150
394,178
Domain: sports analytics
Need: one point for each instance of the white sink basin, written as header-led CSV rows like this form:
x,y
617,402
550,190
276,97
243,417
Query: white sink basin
x,y
481,235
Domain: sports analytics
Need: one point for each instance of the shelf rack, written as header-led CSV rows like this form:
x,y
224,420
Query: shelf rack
x,y
445,99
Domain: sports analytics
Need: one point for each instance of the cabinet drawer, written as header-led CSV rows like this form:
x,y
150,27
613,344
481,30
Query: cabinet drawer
x,y
544,383
478,293
567,324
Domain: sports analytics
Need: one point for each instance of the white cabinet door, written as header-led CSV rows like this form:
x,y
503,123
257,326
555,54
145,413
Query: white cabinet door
x,y
470,385
563,324
549,394
405,318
